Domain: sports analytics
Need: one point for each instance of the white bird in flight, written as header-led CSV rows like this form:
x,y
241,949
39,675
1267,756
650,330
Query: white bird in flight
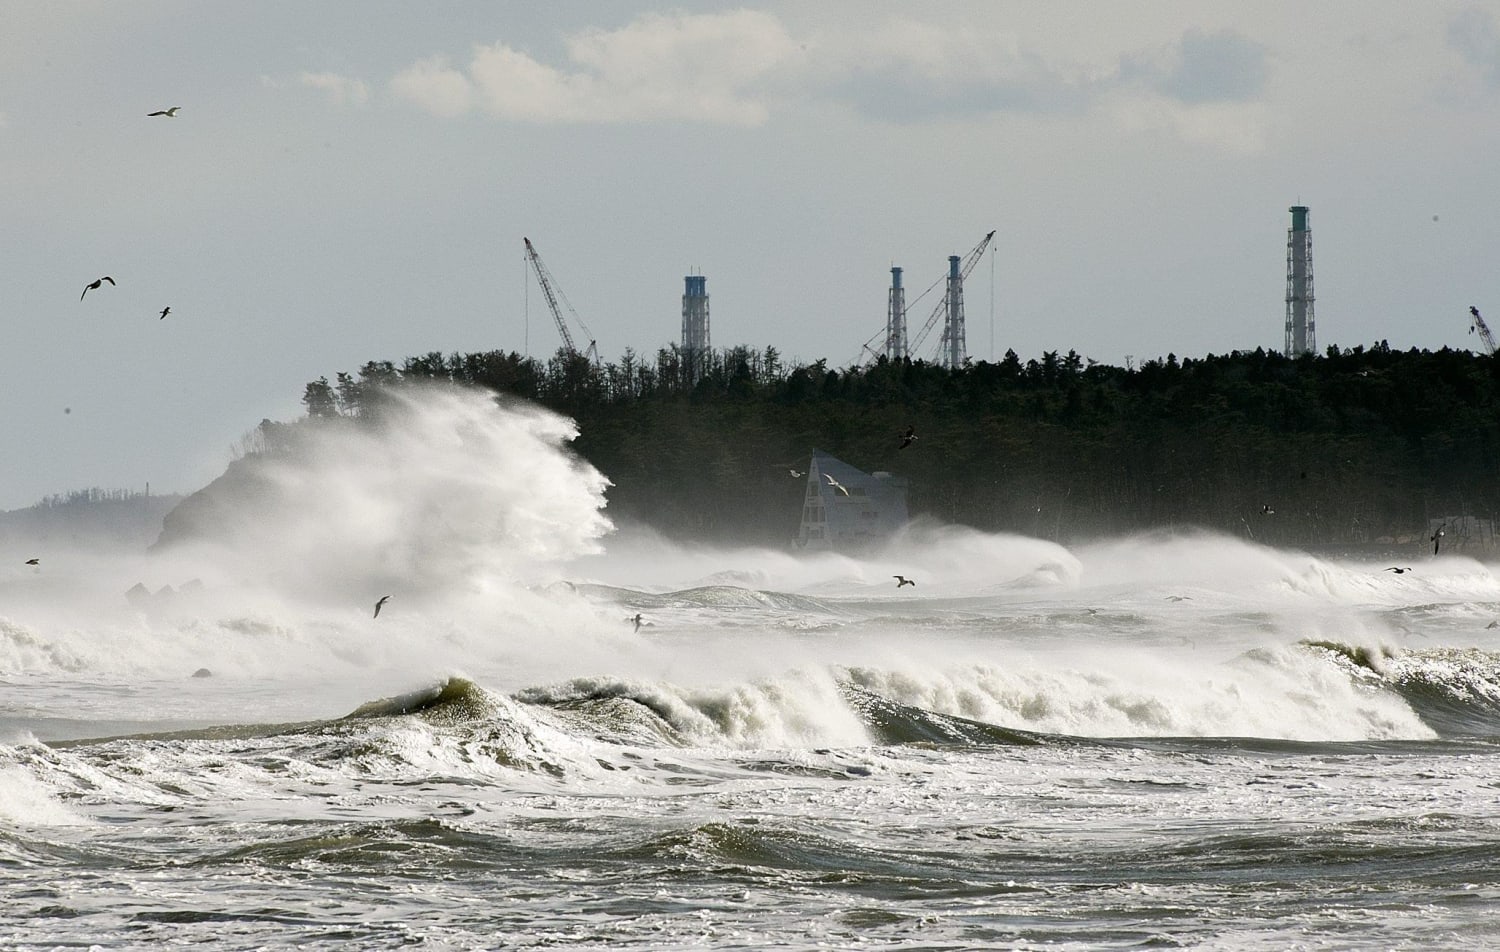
x,y
836,484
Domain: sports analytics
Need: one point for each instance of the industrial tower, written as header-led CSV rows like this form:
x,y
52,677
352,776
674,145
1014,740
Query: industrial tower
x,y
952,350
1300,330
895,321
955,346
695,344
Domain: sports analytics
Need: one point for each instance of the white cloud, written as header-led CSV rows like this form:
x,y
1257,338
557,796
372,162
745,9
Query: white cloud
x,y
1232,128
1206,89
929,52
435,86
341,90
734,68
701,67
909,71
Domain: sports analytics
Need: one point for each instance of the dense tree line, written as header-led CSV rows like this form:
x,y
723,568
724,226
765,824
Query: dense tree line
x,y
1351,446
88,497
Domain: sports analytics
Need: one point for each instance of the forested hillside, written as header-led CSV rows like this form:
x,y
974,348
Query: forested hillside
x,y
1349,447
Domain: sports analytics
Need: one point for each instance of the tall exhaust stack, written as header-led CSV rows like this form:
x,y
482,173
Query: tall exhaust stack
x,y
955,346
895,321
695,344
1300,327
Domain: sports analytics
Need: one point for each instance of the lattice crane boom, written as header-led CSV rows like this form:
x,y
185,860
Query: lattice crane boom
x,y
969,262
1484,331
553,293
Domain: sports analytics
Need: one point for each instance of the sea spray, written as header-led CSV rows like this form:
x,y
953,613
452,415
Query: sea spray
x,y
445,489
942,559
460,507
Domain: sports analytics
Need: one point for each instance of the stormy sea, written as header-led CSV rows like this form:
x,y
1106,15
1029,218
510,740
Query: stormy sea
x,y
1173,740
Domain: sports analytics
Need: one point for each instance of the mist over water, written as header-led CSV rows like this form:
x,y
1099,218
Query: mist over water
x,y
493,541
218,741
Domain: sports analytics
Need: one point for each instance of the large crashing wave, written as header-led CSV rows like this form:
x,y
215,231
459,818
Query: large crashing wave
x,y
453,503
444,487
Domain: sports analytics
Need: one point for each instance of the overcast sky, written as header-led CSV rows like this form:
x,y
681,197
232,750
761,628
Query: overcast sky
x,y
348,182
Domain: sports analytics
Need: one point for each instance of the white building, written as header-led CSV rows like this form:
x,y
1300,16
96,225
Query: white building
x,y
852,510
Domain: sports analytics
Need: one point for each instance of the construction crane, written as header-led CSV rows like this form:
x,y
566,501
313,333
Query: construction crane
x,y
867,352
1483,329
968,265
552,293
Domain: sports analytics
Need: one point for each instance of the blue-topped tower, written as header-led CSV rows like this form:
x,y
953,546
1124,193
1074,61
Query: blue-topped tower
x,y
695,342
895,320
955,343
1301,337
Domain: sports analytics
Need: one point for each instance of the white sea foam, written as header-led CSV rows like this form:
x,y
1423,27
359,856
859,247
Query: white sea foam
x,y
26,801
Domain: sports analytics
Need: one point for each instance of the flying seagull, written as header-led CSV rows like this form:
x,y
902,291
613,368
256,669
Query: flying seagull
x,y
1437,540
164,312
637,620
1493,624
169,113
795,474
378,604
909,438
33,561
94,285
1399,571
902,580
836,484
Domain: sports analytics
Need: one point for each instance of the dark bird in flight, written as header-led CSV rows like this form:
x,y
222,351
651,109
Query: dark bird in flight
x,y
902,580
33,561
1179,598
1437,540
1493,624
94,285
169,113
378,604
637,620
836,484
908,438
1399,571
164,312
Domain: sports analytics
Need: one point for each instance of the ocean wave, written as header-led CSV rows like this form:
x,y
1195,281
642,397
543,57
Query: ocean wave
x,y
1455,691
23,651
801,708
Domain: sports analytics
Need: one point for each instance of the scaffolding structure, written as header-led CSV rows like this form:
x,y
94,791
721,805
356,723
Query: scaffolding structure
x,y
895,321
1301,331
695,341
955,345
